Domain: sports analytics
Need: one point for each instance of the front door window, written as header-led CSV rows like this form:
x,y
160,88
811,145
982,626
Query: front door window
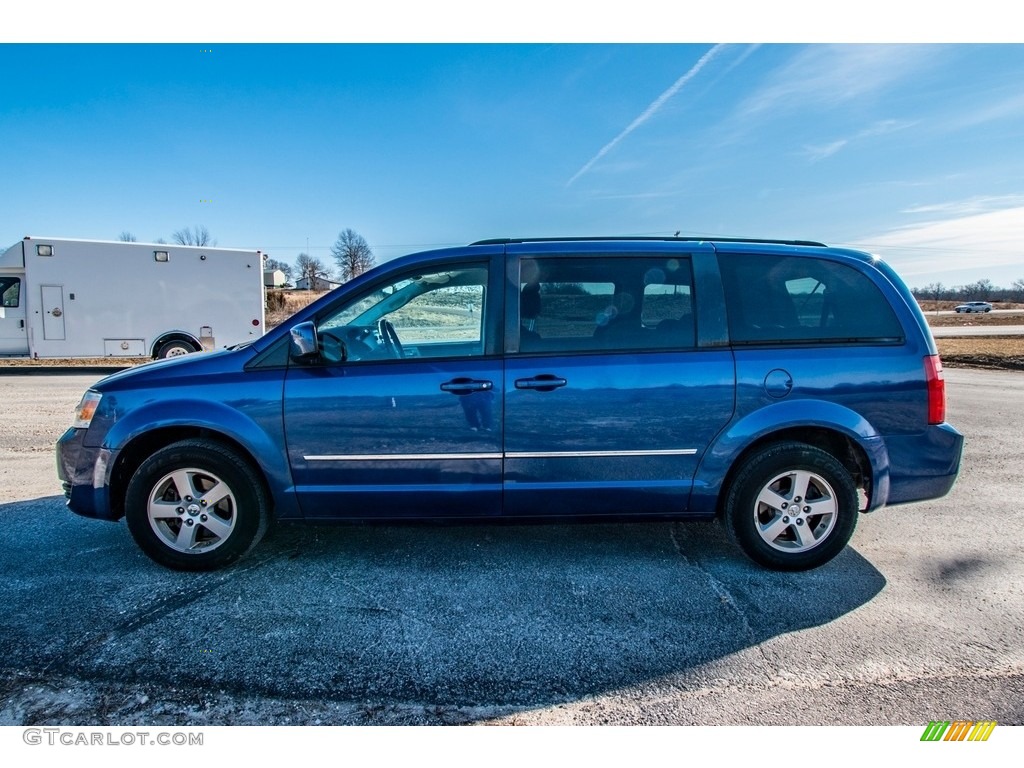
x,y
432,314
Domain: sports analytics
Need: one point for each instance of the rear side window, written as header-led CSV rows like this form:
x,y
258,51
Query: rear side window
x,y
773,299
605,304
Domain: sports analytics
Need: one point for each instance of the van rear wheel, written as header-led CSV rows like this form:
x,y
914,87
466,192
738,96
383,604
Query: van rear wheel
x,y
196,506
791,507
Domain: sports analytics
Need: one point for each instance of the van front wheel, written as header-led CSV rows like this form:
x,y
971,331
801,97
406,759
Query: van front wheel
x,y
196,506
792,507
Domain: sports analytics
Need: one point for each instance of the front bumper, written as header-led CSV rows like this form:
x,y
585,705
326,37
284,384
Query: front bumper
x,y
84,472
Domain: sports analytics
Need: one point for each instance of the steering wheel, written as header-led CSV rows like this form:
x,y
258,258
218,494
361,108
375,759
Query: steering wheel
x,y
389,336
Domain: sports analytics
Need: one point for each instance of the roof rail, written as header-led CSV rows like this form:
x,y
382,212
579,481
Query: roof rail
x,y
620,238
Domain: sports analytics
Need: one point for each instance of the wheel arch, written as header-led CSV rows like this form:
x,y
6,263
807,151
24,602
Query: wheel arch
x,y
847,451
131,456
184,336
833,428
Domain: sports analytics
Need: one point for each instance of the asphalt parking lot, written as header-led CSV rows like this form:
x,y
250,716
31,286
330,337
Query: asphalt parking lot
x,y
921,618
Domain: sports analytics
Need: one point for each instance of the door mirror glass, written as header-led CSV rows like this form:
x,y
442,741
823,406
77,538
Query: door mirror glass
x,y
304,347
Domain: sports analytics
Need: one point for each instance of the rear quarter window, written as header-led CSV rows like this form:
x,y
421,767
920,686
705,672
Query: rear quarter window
x,y
777,299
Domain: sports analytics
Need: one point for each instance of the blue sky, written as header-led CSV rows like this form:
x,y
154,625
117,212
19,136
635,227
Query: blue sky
x,y
915,152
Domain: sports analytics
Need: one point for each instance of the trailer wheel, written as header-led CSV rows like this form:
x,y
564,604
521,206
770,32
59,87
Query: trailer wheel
x,y
175,349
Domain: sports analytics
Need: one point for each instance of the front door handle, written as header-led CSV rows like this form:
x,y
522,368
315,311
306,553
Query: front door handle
x,y
544,382
464,386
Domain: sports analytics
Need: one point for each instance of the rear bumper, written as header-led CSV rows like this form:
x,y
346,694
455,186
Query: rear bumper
x,y
923,466
83,472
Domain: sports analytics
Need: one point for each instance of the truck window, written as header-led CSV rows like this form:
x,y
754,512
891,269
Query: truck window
x,y
10,289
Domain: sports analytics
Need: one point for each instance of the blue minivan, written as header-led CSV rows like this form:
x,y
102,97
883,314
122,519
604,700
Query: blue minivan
x,y
780,386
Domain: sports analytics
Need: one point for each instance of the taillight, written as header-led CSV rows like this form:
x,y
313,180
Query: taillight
x,y
936,389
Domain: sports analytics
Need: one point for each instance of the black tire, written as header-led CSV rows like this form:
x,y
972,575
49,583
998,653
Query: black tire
x,y
174,524
175,349
759,507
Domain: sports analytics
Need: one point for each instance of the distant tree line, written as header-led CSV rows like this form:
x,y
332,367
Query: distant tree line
x,y
311,272
197,235
352,256
983,290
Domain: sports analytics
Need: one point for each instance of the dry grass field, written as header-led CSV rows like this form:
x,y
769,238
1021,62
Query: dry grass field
x,y
1006,352
1014,317
290,302
929,307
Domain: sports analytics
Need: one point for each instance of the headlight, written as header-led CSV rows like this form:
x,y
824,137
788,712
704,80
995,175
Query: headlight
x,y
86,409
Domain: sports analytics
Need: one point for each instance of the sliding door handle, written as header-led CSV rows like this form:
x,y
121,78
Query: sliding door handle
x,y
544,382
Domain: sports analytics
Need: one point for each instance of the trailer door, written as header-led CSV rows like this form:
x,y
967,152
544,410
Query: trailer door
x,y
13,334
53,312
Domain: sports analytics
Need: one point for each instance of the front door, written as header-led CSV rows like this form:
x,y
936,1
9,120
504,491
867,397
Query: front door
x,y
409,424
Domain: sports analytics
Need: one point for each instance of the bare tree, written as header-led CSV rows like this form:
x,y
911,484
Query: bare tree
x,y
284,266
984,289
935,292
979,291
352,253
313,271
198,235
127,237
1018,289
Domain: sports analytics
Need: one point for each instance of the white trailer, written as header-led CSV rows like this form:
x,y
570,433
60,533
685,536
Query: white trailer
x,y
89,298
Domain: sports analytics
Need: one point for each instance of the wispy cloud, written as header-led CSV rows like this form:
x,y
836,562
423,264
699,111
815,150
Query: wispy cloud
x,y
638,195
882,127
833,74
1003,108
817,152
650,112
969,206
993,239
742,58
917,182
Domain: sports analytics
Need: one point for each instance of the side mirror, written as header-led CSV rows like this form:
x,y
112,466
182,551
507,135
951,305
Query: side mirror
x,y
304,347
